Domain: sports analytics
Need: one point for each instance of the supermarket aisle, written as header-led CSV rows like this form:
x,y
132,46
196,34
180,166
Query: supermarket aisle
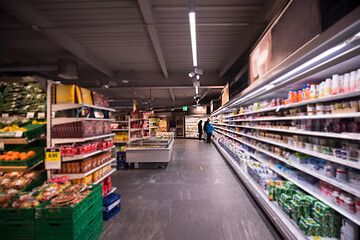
x,y
197,197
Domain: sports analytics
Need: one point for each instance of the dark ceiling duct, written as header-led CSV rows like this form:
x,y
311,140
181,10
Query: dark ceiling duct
x,y
67,69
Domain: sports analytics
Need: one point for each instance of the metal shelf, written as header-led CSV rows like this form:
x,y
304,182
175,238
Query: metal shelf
x,y
103,177
82,175
138,129
121,121
119,130
351,136
72,140
324,116
83,156
118,142
303,103
138,119
345,187
56,121
66,106
113,189
331,158
287,227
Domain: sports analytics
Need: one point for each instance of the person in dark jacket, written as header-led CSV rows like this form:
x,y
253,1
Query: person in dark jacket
x,y
209,129
200,130
205,124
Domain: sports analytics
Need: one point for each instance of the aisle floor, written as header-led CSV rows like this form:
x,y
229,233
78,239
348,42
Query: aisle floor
x,y
196,197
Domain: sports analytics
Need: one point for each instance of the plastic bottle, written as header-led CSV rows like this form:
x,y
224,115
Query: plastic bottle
x,y
313,91
342,200
335,84
358,79
307,93
318,91
350,204
335,197
352,81
322,89
341,80
346,83
328,87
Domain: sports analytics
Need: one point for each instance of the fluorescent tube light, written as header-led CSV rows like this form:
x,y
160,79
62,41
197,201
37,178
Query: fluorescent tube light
x,y
193,37
197,90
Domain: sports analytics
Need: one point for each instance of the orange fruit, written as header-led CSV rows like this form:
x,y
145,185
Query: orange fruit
x,y
2,157
9,153
7,158
31,153
13,158
24,157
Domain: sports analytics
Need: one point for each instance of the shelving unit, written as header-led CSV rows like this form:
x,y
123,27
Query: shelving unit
x,y
82,175
54,142
83,156
73,140
131,130
191,125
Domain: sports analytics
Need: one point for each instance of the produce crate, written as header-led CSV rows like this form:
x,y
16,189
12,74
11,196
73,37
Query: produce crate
x,y
111,205
33,131
13,214
36,182
67,228
17,230
121,165
28,162
94,229
70,212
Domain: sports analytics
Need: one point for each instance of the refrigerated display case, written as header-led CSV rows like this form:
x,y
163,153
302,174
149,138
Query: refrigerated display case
x,y
191,125
302,125
150,151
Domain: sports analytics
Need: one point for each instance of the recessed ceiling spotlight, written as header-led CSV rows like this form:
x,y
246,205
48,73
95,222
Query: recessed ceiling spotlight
x,y
125,81
197,77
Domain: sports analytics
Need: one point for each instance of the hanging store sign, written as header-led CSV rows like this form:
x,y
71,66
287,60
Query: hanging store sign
x,y
225,95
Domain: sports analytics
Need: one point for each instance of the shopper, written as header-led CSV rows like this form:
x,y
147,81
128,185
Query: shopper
x,y
209,129
205,124
200,129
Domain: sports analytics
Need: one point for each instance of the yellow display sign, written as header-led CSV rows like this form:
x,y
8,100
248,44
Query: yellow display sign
x,y
52,158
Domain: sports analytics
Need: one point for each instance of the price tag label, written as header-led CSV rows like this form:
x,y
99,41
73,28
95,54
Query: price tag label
x,y
2,146
277,109
52,158
30,115
4,115
18,134
41,115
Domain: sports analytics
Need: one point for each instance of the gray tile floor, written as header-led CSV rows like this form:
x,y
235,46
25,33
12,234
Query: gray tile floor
x,y
197,197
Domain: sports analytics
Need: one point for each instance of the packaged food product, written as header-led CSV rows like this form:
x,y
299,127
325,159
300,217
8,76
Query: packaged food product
x,y
64,93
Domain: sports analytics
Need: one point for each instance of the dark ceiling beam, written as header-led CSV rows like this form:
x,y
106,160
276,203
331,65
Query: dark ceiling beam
x,y
31,17
148,15
270,9
155,88
205,93
172,94
15,56
210,8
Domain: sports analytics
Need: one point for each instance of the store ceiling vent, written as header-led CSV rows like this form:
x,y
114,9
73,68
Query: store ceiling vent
x,y
67,68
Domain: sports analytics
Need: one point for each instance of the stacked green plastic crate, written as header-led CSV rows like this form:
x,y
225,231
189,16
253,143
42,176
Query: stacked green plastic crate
x,y
83,221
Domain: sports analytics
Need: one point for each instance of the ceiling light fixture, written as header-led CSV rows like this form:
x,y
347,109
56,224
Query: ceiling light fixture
x,y
192,20
196,90
191,74
125,81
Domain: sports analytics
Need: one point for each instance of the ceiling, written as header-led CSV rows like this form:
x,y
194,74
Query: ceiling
x,y
145,42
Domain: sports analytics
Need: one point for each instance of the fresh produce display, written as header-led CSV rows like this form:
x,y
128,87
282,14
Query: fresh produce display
x,y
14,156
13,128
33,199
23,97
70,196
13,182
